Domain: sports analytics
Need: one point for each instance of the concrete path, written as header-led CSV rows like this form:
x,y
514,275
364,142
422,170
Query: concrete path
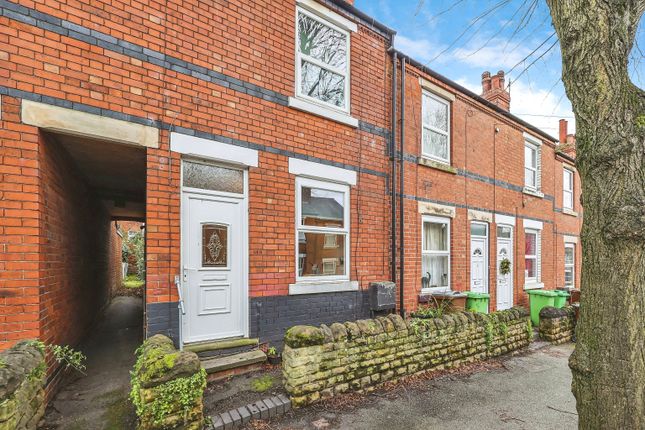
x,y
530,391
99,400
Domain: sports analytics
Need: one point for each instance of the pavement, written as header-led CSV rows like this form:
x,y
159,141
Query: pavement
x,y
99,399
527,391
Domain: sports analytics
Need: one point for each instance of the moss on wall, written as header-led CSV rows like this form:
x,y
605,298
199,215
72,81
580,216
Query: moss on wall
x,y
322,362
22,382
557,325
167,386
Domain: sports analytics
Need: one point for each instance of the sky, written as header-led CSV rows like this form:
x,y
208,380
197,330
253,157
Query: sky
x,y
463,38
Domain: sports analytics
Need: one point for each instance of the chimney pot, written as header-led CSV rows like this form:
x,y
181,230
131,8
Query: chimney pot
x,y
493,89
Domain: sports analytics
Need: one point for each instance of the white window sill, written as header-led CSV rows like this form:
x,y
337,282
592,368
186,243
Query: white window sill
x,y
322,111
533,192
424,160
569,212
317,287
533,285
438,290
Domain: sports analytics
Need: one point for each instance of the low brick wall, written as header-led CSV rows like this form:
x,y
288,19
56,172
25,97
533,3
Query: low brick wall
x,y
320,362
22,381
167,386
557,325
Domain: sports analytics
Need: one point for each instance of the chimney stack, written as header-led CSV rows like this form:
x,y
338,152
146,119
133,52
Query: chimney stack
x,y
563,131
493,90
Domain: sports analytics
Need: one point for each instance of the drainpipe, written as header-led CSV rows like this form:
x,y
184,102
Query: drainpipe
x,y
401,188
393,160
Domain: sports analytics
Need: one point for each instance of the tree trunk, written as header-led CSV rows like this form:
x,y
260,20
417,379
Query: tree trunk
x,y
608,364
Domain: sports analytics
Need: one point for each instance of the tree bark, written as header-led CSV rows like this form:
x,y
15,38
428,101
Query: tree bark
x,y
608,364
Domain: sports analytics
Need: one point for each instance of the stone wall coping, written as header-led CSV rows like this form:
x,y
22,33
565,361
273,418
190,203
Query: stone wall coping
x,y
301,336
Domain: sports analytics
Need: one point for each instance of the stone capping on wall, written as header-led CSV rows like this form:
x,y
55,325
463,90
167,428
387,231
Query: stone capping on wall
x,y
321,362
167,386
557,325
22,386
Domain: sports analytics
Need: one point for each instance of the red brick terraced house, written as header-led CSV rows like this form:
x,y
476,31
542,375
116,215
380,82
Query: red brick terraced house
x,y
256,141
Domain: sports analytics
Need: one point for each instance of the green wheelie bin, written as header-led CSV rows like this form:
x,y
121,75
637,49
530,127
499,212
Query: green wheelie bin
x,y
477,302
561,299
538,300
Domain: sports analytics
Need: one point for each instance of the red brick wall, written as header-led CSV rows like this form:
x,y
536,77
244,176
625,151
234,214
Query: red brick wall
x,y
19,226
77,249
477,149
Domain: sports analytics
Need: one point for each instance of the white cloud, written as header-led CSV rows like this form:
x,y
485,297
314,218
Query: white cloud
x,y
421,50
498,54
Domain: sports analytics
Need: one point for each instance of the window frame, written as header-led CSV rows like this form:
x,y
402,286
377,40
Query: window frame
x,y
446,133
537,257
565,190
436,220
345,230
535,169
301,56
572,265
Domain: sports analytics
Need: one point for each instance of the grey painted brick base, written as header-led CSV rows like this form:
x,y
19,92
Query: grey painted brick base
x,y
271,316
260,410
163,318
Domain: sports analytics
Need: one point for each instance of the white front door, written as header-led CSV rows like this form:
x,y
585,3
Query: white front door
x,y
479,258
504,282
214,266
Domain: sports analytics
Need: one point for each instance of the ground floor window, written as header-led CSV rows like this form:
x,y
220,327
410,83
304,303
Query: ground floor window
x,y
322,230
435,253
531,256
569,264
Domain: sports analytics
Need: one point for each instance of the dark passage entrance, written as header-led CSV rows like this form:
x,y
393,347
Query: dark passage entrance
x,y
86,186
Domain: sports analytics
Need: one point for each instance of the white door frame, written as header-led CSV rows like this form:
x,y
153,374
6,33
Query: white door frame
x,y
511,257
486,249
244,201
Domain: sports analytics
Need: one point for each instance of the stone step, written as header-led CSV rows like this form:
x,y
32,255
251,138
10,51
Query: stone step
x,y
216,345
228,362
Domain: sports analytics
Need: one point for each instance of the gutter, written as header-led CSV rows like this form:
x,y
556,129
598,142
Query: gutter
x,y
401,191
474,96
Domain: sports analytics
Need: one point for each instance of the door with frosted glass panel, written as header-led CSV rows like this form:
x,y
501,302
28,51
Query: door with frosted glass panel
x,y
479,257
213,252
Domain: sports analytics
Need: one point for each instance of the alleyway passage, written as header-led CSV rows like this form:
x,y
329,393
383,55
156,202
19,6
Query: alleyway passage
x,y
99,400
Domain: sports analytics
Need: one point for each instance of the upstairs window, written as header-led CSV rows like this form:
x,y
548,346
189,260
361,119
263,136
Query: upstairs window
x,y
531,167
567,189
322,61
435,113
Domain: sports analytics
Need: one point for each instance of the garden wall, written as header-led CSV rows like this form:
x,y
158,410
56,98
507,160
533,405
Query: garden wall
x,y
557,325
320,362
22,382
167,387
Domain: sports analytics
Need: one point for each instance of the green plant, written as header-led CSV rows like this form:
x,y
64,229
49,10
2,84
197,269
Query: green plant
x,y
434,311
64,355
505,266
272,351
262,384
419,327
185,392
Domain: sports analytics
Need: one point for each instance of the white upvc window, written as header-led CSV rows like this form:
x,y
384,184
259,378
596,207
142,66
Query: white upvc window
x,y
532,257
435,253
322,61
532,167
435,116
567,189
569,265
322,230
